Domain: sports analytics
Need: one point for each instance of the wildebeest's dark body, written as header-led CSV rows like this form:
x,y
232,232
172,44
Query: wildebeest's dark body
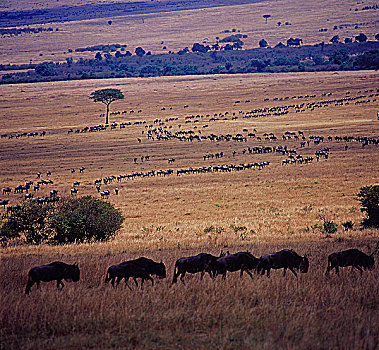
x,y
351,257
243,261
152,267
202,263
125,271
284,259
55,271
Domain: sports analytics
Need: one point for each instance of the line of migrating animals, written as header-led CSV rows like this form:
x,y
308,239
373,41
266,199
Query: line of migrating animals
x,y
293,158
145,268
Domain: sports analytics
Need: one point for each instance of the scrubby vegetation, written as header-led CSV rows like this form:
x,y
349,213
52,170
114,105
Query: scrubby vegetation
x,y
75,220
25,30
203,59
369,199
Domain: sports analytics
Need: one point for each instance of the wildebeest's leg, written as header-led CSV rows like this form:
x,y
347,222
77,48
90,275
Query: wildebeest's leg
x,y
337,270
59,282
135,281
176,274
126,282
293,271
248,272
328,268
284,271
202,275
152,281
29,285
268,272
118,280
357,267
182,277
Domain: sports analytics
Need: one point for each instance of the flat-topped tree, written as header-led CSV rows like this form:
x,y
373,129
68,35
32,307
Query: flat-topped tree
x,y
266,17
107,96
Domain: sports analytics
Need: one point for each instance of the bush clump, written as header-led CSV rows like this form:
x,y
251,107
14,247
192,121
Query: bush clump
x,y
369,198
72,220
28,222
329,227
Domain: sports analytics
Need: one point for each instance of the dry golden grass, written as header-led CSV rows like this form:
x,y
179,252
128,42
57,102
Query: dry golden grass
x,y
167,218
315,312
183,28
279,202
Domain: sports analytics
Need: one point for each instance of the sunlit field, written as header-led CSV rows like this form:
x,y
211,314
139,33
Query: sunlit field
x,y
201,164
168,217
172,31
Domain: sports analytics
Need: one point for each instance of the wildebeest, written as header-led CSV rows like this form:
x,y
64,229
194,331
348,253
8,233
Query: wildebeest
x,y
4,202
286,259
243,261
126,270
351,257
202,262
55,271
152,267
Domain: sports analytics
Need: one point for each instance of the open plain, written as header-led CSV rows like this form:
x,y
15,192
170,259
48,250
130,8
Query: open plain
x,y
169,136
263,210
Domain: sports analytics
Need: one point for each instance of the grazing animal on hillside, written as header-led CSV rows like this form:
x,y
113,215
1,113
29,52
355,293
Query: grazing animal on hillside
x,y
7,190
55,271
351,257
243,261
202,262
286,259
4,202
74,191
126,270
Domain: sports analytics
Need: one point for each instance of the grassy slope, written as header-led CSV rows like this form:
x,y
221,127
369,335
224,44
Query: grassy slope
x,y
167,218
181,29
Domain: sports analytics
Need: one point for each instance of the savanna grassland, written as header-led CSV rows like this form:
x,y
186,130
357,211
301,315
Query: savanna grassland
x,y
162,32
174,216
167,217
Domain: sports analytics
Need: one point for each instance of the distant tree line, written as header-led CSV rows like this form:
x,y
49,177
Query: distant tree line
x,y
203,59
104,48
28,30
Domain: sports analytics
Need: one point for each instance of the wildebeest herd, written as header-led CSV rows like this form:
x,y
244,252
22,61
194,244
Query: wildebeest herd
x,y
202,263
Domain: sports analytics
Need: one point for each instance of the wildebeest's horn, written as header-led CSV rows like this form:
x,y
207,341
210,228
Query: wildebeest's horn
x,y
76,264
161,261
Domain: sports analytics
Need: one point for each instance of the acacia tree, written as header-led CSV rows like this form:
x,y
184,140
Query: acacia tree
x,y
107,96
266,17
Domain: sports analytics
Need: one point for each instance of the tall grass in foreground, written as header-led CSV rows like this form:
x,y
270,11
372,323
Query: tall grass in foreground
x,y
314,312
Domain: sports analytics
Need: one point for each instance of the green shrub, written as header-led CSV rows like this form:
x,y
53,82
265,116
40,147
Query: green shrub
x,y
340,56
29,220
85,219
71,220
329,226
369,198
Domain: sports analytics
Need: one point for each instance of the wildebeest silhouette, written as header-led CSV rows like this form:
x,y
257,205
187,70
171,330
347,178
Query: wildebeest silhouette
x,y
152,267
55,271
202,263
242,261
286,259
126,270
351,257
